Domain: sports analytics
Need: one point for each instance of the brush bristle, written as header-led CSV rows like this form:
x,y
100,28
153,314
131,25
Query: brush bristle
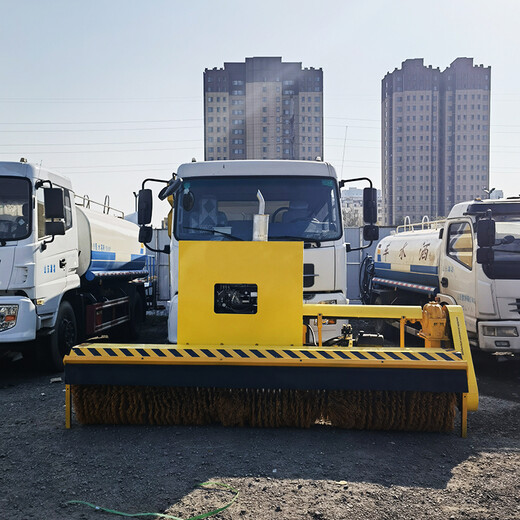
x,y
371,410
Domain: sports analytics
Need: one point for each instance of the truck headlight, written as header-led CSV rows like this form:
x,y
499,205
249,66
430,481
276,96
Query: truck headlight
x,y
8,314
508,332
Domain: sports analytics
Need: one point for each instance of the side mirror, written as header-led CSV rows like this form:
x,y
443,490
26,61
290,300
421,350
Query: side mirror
x,y
55,228
144,207
370,205
170,189
486,234
370,233
145,234
54,204
485,255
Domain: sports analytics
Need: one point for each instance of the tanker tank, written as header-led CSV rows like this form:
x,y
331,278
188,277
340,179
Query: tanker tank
x,y
108,246
409,259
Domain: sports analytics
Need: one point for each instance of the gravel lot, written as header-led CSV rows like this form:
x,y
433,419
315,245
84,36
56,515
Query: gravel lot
x,y
321,473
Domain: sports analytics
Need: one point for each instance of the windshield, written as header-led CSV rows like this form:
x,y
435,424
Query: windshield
x,y
222,208
506,264
15,196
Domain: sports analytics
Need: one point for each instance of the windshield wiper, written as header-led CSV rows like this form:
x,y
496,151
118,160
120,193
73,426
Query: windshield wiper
x,y
290,237
210,230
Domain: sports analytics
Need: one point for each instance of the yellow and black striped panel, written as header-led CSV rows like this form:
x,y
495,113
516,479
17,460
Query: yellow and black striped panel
x,y
255,356
427,370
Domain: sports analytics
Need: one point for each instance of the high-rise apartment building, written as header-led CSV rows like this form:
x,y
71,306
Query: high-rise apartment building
x,y
263,109
435,138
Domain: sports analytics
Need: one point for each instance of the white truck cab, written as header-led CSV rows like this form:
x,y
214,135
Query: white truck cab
x,y
35,268
443,259
218,199
67,272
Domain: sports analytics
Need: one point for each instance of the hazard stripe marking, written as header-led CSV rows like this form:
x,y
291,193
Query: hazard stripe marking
x,y
243,355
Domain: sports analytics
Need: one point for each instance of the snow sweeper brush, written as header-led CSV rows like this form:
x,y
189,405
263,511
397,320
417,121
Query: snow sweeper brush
x,y
241,357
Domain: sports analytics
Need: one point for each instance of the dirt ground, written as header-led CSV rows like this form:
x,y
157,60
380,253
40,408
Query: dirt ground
x,y
320,473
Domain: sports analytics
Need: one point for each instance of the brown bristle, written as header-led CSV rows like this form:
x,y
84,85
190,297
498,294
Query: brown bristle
x,y
374,410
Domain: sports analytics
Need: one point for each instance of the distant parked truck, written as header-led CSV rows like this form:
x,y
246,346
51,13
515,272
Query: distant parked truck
x,y
67,272
471,259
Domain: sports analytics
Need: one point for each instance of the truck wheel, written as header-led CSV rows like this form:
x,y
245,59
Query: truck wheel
x,y
64,336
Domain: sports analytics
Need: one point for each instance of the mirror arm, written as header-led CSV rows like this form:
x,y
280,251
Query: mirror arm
x,y
39,183
349,249
342,182
165,249
153,180
45,242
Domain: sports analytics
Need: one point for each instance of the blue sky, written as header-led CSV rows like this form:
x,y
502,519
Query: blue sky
x,y
110,92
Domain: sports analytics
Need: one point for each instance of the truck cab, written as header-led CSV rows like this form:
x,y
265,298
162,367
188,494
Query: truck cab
x,y
33,274
489,289
218,200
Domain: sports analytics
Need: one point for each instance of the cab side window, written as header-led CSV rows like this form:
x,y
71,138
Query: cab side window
x,y
460,243
41,211
68,209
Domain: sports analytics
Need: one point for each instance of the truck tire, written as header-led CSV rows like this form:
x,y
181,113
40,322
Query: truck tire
x,y
63,338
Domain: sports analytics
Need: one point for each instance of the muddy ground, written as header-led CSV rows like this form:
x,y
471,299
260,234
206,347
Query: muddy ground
x,y
320,473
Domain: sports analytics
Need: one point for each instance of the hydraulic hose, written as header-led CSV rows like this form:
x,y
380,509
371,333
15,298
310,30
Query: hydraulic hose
x,y
366,272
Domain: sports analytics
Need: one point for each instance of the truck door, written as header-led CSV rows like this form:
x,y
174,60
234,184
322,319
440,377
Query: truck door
x,y
56,261
458,269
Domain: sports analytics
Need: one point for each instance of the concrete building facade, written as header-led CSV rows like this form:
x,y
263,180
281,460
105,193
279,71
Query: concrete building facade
x,y
435,138
263,108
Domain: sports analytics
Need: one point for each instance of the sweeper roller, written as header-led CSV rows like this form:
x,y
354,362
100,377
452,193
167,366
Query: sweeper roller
x,y
241,358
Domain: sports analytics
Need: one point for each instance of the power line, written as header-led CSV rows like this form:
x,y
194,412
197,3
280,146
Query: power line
x,y
106,151
105,122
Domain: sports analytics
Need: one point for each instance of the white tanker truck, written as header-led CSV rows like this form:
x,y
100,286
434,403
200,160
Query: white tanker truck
x,y
67,272
471,259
